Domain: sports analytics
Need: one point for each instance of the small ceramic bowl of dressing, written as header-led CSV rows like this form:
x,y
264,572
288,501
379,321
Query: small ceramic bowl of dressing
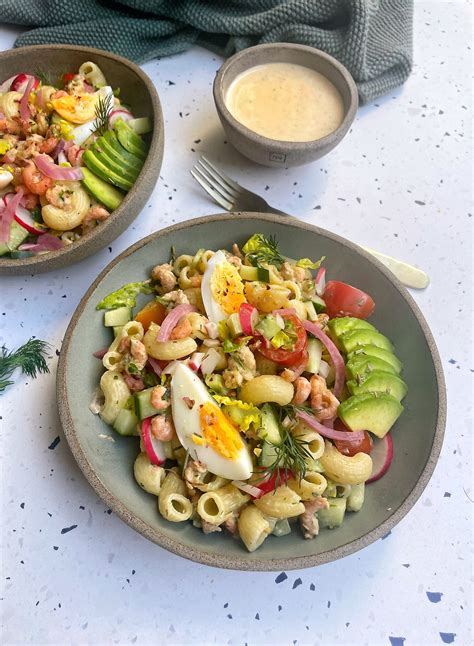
x,y
284,105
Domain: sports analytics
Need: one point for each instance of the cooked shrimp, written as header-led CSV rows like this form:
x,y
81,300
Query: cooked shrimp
x,y
58,94
308,520
177,296
48,145
182,329
74,154
124,345
156,399
208,528
323,402
291,272
35,181
194,473
164,275
29,200
162,428
302,390
57,196
94,214
135,384
195,280
138,353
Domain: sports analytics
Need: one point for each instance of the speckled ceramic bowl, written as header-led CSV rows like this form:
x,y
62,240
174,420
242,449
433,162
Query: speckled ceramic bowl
x,y
270,152
138,91
108,465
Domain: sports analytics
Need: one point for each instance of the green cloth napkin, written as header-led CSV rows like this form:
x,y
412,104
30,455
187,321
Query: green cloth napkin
x,y
372,38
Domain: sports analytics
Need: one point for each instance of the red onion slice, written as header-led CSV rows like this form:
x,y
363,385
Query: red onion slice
x,y
249,489
20,82
155,366
6,85
8,214
330,433
24,108
336,357
320,282
172,319
45,164
286,312
100,354
153,447
47,242
23,217
382,456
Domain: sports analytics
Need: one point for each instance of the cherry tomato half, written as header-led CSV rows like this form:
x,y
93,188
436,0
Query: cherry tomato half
x,y
266,486
350,448
68,77
288,357
344,300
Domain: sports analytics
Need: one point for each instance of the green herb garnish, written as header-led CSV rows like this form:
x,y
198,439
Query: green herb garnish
x,y
307,263
45,77
30,358
103,108
260,249
126,296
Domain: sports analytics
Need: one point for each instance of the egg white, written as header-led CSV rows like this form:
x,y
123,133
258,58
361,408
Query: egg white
x,y
213,310
185,383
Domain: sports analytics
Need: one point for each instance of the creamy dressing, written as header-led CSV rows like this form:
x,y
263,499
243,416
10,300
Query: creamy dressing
x,y
286,102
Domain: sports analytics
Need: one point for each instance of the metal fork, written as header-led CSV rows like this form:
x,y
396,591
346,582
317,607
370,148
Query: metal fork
x,y
233,197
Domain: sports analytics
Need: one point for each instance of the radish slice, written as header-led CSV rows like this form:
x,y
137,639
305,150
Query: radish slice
x,y
336,357
211,328
23,217
155,366
6,85
382,456
286,312
45,164
248,315
171,367
119,114
24,107
172,319
153,447
255,492
320,282
325,431
7,215
196,360
21,81
142,125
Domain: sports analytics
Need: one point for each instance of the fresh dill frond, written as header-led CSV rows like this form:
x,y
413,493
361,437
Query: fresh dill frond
x,y
172,255
290,454
45,77
103,109
262,249
30,358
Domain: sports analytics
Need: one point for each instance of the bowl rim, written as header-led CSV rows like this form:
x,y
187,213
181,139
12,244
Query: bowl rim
x,y
231,561
276,145
156,144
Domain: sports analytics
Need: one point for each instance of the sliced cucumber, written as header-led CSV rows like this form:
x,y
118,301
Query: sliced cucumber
x,y
141,125
269,427
254,273
126,422
234,325
334,515
143,407
17,235
319,304
315,349
282,527
215,382
268,456
120,316
268,326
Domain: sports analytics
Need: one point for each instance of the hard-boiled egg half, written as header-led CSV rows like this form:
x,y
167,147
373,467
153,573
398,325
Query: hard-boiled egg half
x,y
222,288
204,430
80,109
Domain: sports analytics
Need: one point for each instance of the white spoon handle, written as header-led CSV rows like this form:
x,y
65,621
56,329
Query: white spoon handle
x,y
407,274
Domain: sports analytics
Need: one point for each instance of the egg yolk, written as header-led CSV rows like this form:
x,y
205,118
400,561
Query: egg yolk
x,y
77,109
218,432
227,288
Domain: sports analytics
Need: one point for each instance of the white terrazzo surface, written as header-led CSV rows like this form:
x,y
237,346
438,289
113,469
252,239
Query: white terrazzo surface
x,y
400,182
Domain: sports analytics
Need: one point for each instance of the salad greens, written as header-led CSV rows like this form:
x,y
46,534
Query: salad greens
x,y
126,296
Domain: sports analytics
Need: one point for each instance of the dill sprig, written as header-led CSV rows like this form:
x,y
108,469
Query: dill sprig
x,y
30,358
103,108
264,250
290,455
45,77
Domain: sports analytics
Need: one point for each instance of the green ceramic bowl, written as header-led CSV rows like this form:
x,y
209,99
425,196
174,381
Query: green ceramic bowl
x,y
137,90
108,465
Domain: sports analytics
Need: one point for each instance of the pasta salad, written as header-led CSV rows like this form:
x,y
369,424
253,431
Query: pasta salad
x,y
69,152
255,388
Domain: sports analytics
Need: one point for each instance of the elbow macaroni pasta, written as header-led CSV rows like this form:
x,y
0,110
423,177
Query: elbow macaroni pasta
x,y
267,388
93,74
71,216
283,503
10,104
116,394
253,527
149,476
344,469
173,503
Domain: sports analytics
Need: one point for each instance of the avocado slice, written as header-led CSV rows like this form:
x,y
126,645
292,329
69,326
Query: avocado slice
x,y
129,139
102,191
371,350
119,167
110,143
350,340
17,236
360,365
378,381
374,412
339,326
97,167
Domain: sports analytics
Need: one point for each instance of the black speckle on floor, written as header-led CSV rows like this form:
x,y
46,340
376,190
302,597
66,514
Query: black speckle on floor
x,y
312,587
297,582
267,187
329,604
453,361
257,617
280,608
420,203
110,249
281,577
317,208
81,507
358,199
226,605
65,530
447,638
434,597
55,548
407,565
397,641
57,352
170,83
54,443
64,296
229,616
22,505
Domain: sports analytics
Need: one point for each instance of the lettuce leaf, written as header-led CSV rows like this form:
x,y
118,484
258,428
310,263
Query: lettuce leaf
x,y
307,263
126,296
241,413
